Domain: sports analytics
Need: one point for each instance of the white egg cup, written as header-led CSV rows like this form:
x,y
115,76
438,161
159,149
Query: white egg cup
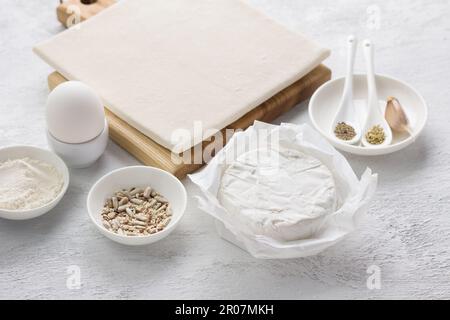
x,y
80,155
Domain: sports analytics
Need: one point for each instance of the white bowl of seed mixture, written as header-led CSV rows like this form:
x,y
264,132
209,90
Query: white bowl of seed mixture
x,y
137,205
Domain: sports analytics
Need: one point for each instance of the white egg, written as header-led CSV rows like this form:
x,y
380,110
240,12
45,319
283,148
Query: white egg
x,y
74,113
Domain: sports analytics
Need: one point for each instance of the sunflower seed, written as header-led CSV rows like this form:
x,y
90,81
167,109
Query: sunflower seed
x,y
147,192
135,191
129,211
136,201
112,215
161,199
123,201
115,203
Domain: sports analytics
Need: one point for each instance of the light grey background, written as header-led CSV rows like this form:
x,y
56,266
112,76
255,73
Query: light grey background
x,y
406,232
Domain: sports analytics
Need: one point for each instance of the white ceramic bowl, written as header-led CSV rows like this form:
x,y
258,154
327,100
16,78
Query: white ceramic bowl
x,y
138,176
80,155
324,103
18,152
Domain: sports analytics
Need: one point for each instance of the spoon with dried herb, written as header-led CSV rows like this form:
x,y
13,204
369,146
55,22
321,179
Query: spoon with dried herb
x,y
376,131
376,135
344,131
345,125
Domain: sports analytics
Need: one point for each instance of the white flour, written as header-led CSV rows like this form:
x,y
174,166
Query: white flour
x,y
27,184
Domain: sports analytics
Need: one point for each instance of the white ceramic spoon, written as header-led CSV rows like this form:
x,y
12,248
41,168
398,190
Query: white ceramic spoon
x,y
374,114
346,111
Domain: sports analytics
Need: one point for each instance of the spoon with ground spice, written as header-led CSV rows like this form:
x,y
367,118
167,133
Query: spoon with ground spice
x,y
376,131
345,126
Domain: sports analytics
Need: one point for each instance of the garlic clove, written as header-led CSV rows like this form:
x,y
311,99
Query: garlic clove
x,y
396,116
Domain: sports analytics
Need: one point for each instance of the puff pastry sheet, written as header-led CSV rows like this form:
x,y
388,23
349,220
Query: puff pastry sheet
x,y
163,65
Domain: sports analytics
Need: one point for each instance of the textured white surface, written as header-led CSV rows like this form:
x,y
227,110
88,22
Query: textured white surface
x,y
406,232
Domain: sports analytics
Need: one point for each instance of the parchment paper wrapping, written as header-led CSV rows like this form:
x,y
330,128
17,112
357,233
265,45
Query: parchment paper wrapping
x,y
353,194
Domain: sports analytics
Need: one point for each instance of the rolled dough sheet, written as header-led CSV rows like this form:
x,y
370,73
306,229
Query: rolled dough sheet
x,y
163,65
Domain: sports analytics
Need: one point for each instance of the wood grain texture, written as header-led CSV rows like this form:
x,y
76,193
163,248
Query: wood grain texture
x,y
69,11
151,153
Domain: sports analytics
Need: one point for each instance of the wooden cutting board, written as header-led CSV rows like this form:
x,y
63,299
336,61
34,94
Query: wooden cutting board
x,y
151,153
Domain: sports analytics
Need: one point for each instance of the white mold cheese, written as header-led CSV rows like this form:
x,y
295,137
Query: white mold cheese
x,y
282,194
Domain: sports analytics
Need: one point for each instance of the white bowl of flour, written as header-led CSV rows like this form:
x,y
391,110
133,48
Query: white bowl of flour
x,y
32,182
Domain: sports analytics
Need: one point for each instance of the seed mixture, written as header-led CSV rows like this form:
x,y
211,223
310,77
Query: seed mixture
x,y
376,135
344,131
136,212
